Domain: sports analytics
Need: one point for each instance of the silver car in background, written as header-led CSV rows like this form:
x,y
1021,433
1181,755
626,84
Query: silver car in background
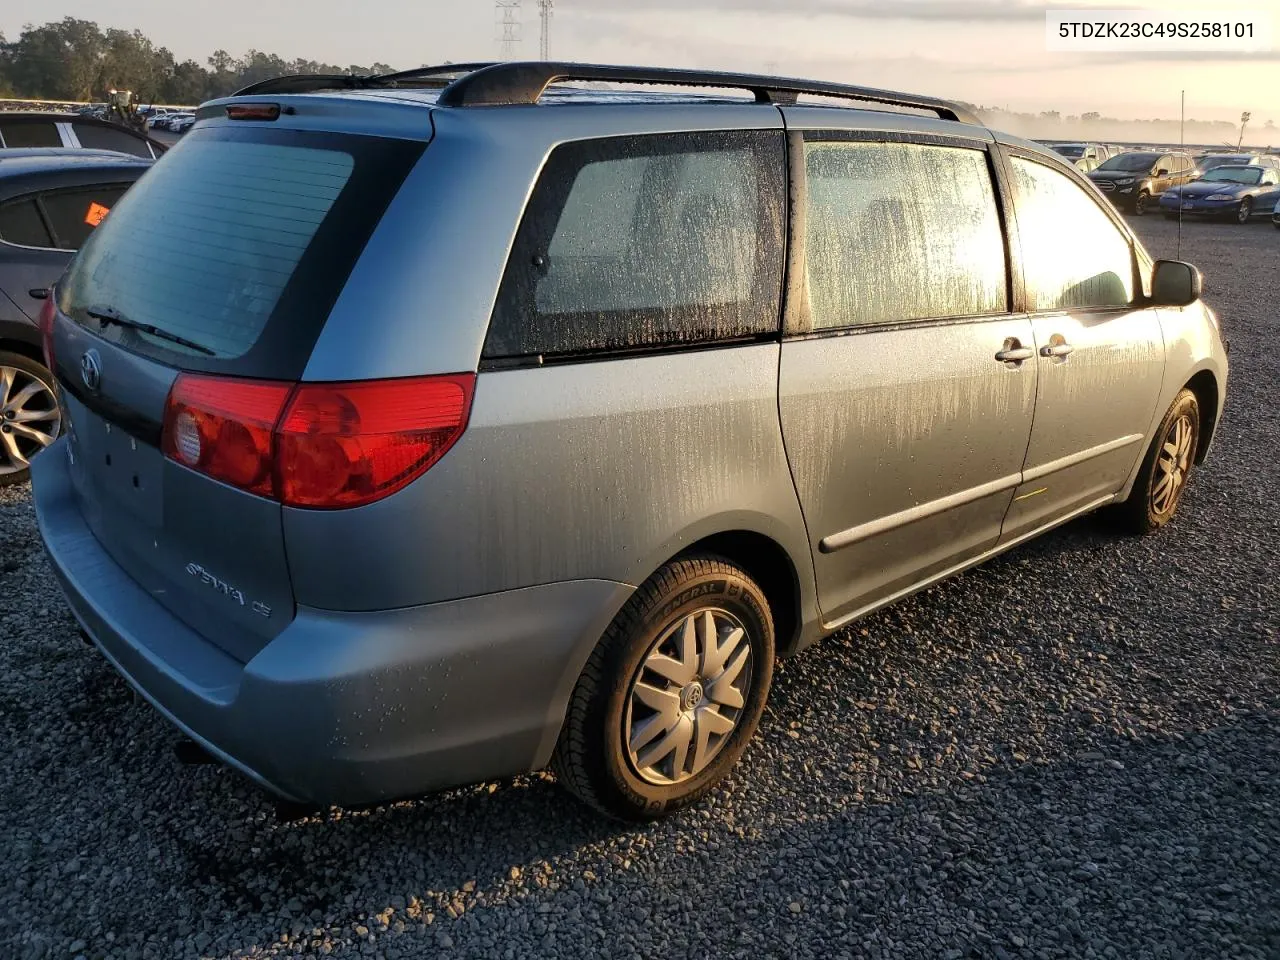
x,y
469,423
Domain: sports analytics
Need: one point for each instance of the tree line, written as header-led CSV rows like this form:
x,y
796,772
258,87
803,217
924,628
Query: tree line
x,y
76,60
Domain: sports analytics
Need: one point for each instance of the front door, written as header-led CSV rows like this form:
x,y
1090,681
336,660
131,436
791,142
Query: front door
x,y
907,395
1100,358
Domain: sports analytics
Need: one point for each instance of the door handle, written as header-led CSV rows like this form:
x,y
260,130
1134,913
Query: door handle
x,y
1056,350
1013,352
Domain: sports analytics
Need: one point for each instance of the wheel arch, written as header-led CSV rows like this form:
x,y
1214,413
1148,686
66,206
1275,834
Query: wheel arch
x,y
1205,386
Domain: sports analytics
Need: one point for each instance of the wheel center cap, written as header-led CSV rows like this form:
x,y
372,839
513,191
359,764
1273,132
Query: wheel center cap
x,y
691,696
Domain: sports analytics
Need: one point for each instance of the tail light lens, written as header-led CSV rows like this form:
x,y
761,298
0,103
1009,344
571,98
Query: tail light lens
x,y
323,445
223,428
341,445
47,313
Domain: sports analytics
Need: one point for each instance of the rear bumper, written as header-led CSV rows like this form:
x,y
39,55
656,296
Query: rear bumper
x,y
343,708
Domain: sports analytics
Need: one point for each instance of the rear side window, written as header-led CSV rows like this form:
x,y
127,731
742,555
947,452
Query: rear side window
x,y
901,231
106,138
239,241
641,242
74,214
1073,255
20,223
36,134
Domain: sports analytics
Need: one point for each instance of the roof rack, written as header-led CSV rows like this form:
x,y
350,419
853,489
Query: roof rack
x,y
525,82
442,74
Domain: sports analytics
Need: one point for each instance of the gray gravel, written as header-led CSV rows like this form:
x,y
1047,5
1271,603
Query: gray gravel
x,y
1071,752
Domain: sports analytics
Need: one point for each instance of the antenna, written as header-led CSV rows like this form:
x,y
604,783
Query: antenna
x,y
507,15
1182,145
544,12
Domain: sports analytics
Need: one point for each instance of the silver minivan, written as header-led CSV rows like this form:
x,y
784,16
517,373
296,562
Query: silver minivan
x,y
469,421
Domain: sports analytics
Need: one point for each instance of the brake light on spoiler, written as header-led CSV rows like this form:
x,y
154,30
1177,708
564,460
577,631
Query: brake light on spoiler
x,y
315,445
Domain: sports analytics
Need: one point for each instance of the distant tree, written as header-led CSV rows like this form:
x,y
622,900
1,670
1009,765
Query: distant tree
x,y
1091,117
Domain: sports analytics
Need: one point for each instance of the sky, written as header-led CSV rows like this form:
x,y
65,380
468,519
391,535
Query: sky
x,y
989,52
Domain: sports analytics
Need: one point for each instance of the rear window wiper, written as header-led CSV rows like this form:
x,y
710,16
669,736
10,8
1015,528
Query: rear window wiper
x,y
105,315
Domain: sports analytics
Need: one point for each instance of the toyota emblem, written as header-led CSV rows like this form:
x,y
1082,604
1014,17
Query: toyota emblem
x,y
91,370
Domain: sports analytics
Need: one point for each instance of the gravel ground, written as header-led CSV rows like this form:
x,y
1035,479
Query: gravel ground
x,y
1073,751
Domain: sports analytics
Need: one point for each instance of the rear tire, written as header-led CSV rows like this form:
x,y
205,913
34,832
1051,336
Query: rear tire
x,y
29,416
659,715
1166,469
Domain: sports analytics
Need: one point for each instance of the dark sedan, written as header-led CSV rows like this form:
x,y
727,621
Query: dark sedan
x,y
1132,180
51,199
1238,193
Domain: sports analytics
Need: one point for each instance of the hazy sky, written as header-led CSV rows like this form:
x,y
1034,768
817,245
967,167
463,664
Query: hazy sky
x,y
990,52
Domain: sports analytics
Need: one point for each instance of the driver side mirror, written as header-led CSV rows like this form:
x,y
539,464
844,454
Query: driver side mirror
x,y
1162,172
1175,284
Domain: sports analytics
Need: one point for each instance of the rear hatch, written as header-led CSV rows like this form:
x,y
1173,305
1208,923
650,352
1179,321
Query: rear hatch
x,y
220,265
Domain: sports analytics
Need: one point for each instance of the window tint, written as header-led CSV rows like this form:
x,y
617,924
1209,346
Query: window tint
x,y
41,134
899,231
105,138
74,214
241,242
639,242
219,237
1073,255
20,223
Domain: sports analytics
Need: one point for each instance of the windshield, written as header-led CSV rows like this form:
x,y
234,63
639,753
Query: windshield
x,y
1208,163
1131,162
1070,149
1234,174
227,255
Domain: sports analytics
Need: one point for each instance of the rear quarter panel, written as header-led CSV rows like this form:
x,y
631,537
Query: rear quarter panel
x,y
591,470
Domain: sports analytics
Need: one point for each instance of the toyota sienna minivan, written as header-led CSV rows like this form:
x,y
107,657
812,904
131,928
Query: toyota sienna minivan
x,y
470,422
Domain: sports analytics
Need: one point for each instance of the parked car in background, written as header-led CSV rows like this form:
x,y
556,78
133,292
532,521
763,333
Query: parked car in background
x,y
1240,193
1133,179
27,129
1084,156
174,120
1275,217
51,200
570,532
183,123
1206,162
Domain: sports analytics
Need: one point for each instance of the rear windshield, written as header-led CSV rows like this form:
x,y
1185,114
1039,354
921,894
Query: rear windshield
x,y
234,247
1130,162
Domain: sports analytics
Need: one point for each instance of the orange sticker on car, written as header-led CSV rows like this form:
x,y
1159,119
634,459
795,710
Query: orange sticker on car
x,y
95,214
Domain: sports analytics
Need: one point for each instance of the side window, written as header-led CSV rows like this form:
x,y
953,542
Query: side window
x,y
1073,255
636,242
1164,163
106,138
74,213
20,223
32,134
901,231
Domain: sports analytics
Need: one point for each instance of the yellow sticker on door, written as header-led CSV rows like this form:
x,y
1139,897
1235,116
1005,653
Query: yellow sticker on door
x,y
95,214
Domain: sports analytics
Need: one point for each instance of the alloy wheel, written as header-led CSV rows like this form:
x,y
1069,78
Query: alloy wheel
x,y
1173,465
686,697
1245,211
29,418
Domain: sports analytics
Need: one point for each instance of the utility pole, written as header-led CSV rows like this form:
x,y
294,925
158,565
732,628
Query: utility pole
x,y
507,15
544,11
1244,120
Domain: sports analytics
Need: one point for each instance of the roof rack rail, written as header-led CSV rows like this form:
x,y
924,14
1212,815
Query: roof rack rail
x,y
304,83
443,73
503,84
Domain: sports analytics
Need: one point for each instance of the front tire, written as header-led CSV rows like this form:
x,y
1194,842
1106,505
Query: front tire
x,y
672,694
1166,469
1140,203
1245,211
29,416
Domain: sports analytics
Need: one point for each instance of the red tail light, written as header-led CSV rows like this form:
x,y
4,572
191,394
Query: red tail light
x,y
47,313
322,445
222,427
